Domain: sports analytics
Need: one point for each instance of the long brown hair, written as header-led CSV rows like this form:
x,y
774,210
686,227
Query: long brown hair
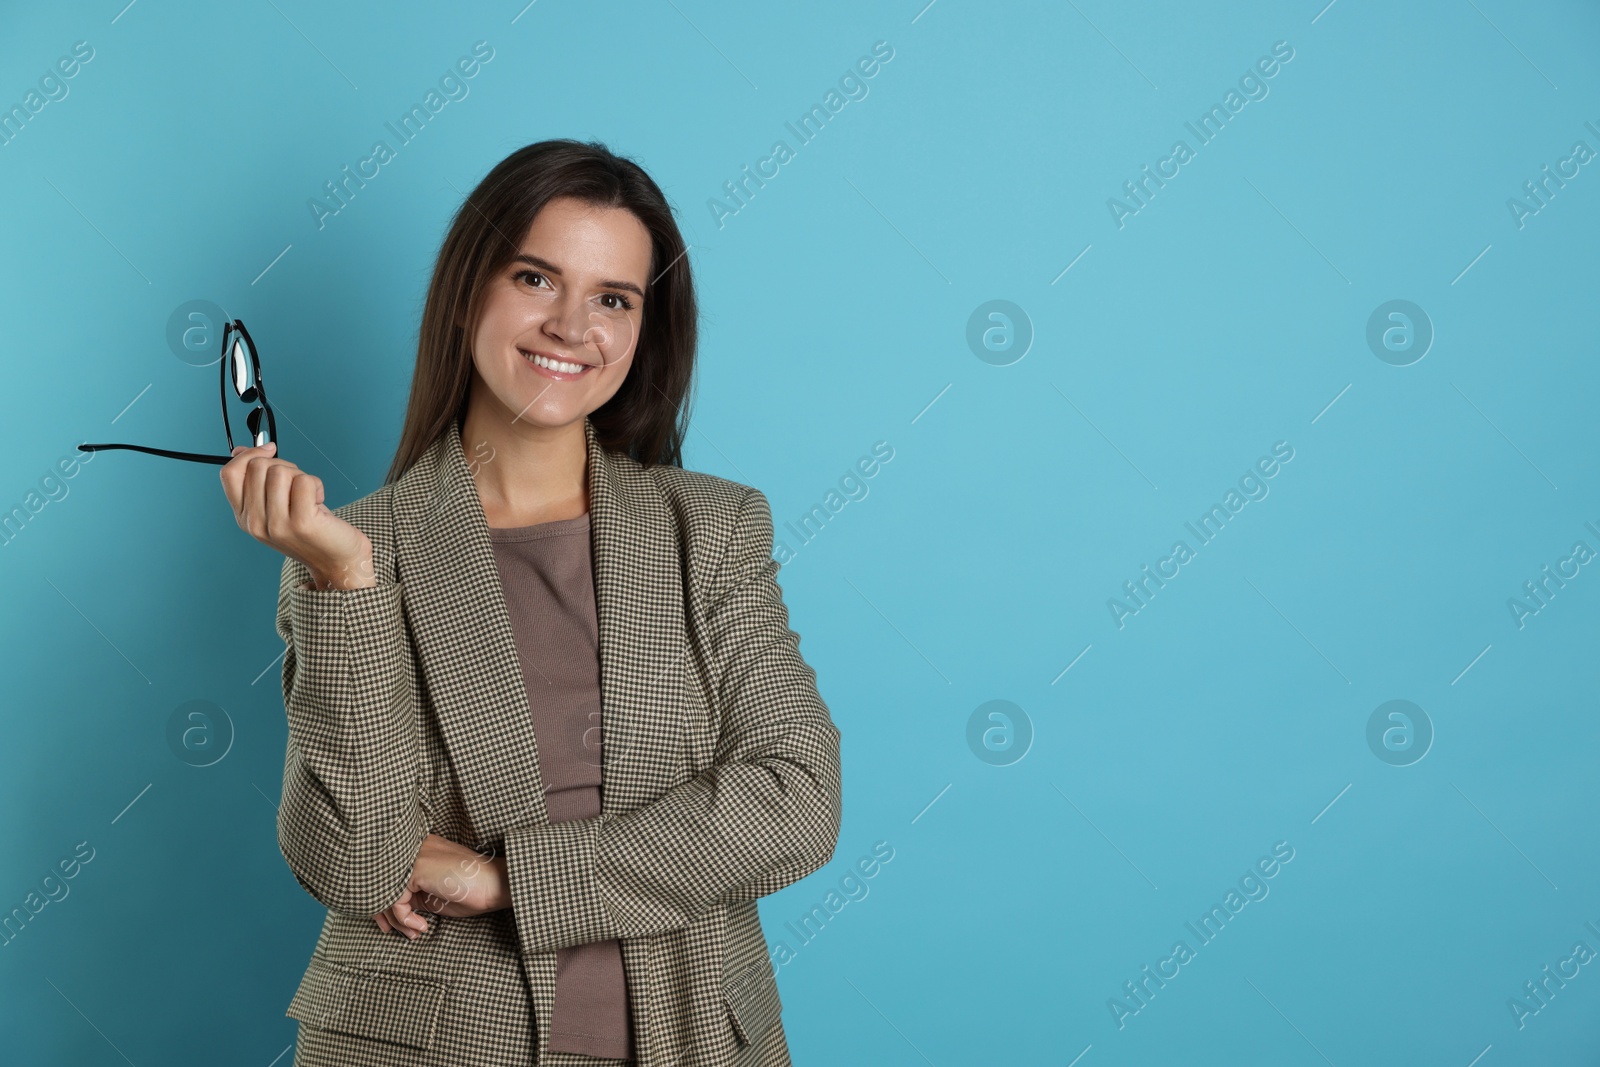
x,y
648,417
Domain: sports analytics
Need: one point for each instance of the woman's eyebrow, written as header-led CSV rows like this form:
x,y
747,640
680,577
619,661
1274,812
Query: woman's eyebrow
x,y
551,268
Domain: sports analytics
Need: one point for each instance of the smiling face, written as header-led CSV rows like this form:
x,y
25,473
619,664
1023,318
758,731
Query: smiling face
x,y
561,321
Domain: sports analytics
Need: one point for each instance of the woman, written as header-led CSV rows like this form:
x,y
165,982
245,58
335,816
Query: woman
x,y
550,735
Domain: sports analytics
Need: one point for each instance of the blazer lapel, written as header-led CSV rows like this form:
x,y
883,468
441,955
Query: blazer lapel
x,y
466,653
639,572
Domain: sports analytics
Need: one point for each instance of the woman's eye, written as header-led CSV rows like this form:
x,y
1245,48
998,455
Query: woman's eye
x,y
622,302
520,275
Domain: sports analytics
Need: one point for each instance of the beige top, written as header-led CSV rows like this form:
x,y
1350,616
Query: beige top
x,y
546,571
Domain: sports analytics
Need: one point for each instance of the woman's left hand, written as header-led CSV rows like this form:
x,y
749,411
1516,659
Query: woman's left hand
x,y
447,879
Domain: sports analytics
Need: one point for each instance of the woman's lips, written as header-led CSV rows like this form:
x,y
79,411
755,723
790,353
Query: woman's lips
x,y
551,372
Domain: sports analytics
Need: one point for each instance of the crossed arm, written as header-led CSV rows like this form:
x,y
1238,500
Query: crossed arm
x,y
763,815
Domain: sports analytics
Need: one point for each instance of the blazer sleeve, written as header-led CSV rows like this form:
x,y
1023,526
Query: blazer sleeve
x,y
350,823
763,815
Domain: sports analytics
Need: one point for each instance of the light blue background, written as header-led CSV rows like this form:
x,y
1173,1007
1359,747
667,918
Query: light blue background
x,y
1229,314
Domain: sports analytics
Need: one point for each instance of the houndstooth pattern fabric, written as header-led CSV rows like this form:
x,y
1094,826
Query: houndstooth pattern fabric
x,y
408,715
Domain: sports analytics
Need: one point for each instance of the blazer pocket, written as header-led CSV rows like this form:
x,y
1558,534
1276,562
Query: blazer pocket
x,y
752,999
396,1008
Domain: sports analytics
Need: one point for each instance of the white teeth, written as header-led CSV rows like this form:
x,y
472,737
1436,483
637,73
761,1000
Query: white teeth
x,y
557,365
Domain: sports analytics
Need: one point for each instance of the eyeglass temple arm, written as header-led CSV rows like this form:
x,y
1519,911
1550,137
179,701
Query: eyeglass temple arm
x,y
233,329
194,457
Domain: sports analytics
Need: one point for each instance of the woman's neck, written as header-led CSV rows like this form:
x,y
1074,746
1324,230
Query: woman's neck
x,y
525,473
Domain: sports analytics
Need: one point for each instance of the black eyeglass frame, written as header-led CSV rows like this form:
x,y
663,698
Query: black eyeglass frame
x,y
255,393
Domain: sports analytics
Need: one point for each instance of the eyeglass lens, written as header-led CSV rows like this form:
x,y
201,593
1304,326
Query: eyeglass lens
x,y
244,371
247,388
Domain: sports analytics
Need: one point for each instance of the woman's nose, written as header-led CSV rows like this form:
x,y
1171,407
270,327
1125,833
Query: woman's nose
x,y
568,321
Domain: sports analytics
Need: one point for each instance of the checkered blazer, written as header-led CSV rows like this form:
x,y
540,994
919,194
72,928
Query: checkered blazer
x,y
408,715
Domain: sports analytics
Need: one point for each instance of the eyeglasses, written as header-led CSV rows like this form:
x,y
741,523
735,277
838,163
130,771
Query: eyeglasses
x,y
241,374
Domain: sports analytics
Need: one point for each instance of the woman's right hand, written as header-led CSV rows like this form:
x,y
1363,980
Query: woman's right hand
x,y
281,506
